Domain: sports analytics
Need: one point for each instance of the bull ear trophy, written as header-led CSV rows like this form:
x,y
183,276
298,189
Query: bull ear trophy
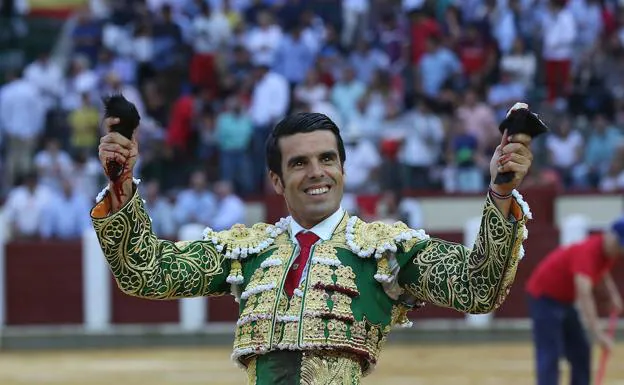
x,y
519,120
118,106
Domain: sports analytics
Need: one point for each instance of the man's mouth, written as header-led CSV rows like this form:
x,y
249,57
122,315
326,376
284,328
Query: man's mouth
x,y
317,190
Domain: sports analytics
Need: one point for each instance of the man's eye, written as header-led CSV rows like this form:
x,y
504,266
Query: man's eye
x,y
327,159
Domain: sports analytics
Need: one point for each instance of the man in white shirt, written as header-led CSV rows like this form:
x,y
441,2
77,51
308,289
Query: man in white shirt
x,y
230,209
270,100
22,120
24,207
560,32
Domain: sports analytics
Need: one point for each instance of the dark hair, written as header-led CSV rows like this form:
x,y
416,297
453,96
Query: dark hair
x,y
302,122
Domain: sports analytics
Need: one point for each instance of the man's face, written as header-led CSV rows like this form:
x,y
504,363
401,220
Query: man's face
x,y
312,176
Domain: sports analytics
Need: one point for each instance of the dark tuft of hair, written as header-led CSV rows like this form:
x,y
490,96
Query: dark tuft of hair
x,y
302,122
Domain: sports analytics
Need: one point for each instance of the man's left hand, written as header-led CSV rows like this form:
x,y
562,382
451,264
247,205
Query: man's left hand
x,y
513,154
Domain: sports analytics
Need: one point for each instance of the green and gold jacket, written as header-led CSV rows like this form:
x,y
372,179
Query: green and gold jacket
x,y
359,284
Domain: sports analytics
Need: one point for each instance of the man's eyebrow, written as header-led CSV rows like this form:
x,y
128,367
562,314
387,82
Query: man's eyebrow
x,y
331,154
296,159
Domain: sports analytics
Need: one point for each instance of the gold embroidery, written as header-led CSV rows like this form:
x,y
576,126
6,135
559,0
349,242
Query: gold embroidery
x,y
473,281
345,279
251,372
148,267
316,301
250,306
341,307
375,236
358,333
255,280
266,301
320,273
338,238
327,368
399,315
337,333
240,239
244,340
313,331
291,333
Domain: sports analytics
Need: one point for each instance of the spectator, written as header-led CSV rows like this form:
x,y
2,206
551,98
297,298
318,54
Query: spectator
x,y
53,165
24,207
230,209
22,119
234,131
196,203
160,211
565,150
66,215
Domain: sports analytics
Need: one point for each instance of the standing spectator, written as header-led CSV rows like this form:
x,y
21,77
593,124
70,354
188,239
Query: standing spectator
x,y
521,64
367,61
346,95
210,33
270,99
87,35
437,66
84,126
560,33
264,40
293,57
22,119
234,131
422,146
47,75
354,20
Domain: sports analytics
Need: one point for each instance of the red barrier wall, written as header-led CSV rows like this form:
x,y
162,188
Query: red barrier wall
x,y
44,279
43,283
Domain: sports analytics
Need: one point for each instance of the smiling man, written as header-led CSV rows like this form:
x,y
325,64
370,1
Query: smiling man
x,y
320,290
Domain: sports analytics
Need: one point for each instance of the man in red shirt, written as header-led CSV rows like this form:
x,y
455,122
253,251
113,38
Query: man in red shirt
x,y
564,278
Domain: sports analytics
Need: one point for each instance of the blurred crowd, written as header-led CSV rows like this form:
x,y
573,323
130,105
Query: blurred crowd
x,y
417,87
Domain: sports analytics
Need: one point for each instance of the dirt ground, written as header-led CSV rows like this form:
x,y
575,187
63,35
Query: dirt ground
x,y
482,364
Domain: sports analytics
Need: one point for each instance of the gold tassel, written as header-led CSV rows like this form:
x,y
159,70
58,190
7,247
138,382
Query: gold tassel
x,y
236,272
383,270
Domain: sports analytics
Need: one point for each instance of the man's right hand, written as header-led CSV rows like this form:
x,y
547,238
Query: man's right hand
x,y
114,146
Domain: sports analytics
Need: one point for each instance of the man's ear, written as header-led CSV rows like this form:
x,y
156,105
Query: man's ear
x,y
276,180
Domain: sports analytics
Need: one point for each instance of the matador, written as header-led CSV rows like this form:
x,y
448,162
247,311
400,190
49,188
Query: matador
x,y
319,291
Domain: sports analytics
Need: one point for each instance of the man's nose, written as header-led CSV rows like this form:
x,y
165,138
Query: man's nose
x,y
315,170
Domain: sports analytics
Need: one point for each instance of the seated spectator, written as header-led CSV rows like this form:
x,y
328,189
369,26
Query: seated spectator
x,y
196,203
160,211
24,207
230,209
66,215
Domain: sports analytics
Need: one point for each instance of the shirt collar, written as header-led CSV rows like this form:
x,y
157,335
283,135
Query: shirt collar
x,y
323,230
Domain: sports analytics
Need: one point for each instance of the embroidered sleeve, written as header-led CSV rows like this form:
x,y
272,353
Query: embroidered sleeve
x,y
148,267
473,280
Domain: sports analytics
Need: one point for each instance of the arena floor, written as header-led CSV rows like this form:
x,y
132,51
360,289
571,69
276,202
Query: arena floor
x,y
482,364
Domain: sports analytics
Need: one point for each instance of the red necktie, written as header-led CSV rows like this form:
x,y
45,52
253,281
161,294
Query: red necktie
x,y
306,240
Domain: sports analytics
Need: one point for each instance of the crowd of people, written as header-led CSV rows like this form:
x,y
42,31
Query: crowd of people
x,y
417,87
